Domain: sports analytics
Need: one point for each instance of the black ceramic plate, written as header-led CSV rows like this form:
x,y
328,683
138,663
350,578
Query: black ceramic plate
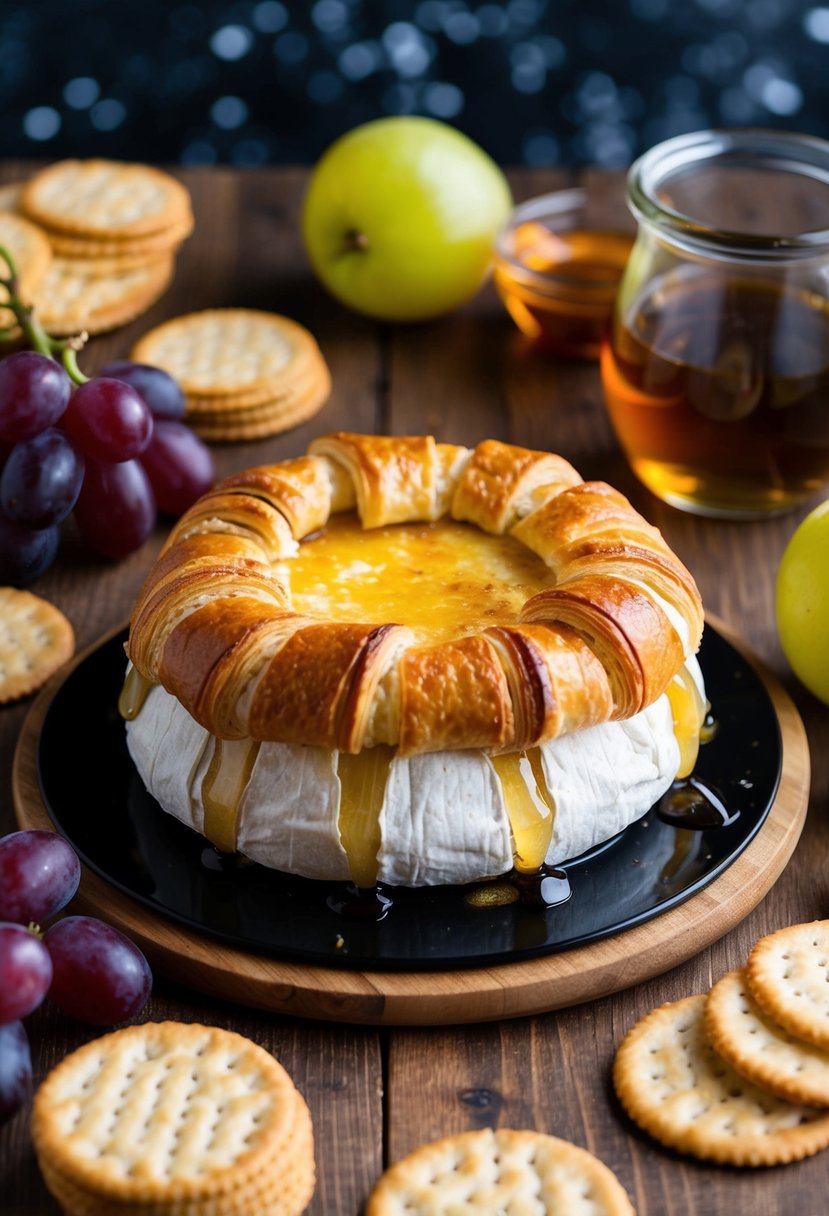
x,y
96,799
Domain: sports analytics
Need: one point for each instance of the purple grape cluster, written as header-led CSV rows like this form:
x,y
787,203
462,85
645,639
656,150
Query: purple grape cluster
x,y
114,451
86,967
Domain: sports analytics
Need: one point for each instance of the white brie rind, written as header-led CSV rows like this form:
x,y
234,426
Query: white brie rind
x,y
443,818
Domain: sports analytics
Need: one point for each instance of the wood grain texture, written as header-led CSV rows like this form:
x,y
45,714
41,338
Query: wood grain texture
x,y
473,375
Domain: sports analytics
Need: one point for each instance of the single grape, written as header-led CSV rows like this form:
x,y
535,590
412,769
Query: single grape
x,y
15,1069
39,874
25,972
41,480
100,976
108,421
34,393
179,465
24,552
155,386
115,511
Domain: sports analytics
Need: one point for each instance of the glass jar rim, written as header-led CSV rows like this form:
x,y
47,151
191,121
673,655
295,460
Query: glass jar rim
x,y
790,151
569,200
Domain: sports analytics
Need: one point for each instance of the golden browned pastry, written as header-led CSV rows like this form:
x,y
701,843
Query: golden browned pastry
x,y
484,598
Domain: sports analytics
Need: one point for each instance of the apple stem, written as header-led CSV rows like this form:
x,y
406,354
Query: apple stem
x,y
355,241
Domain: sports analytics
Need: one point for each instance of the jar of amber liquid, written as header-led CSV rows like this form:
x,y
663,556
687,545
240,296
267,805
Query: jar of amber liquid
x,y
715,369
557,266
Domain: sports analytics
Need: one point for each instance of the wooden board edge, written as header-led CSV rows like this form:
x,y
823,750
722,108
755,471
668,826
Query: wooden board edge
x,y
459,996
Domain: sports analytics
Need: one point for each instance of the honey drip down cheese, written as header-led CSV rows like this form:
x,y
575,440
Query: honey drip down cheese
x,y
529,805
688,708
222,787
363,780
133,694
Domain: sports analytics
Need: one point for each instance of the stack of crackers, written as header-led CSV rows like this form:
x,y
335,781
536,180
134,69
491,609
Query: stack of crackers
x,y
739,1075
170,1119
94,240
244,373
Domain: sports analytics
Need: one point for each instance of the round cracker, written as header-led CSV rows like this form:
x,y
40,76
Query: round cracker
x,y
759,1049
489,1171
274,423
35,640
317,387
104,198
10,195
306,380
223,351
31,253
788,974
671,1081
29,247
91,296
168,1114
132,251
284,1188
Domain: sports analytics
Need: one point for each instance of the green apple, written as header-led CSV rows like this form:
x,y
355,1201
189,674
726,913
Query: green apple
x,y
802,601
400,216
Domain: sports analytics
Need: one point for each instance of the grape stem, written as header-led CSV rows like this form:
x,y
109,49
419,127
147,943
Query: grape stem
x,y
62,350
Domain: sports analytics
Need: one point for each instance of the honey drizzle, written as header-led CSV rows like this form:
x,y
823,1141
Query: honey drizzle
x,y
688,709
222,787
530,806
363,778
133,694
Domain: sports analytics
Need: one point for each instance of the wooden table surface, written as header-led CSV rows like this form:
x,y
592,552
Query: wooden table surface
x,y
376,1094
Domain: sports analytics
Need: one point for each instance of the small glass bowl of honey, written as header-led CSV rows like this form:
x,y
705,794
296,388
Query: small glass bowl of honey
x,y
557,266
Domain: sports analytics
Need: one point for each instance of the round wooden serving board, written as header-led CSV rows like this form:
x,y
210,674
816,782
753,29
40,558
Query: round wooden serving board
x,y
447,997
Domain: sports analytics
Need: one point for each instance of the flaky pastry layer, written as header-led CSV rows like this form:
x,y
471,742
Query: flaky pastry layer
x,y
214,623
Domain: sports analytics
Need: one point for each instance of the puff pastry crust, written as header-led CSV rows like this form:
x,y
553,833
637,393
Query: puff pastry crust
x,y
214,622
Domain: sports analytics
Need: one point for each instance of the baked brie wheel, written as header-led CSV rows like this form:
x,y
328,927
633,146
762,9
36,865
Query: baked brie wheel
x,y
403,661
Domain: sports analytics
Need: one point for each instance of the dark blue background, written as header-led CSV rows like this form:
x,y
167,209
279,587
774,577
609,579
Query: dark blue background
x,y
537,82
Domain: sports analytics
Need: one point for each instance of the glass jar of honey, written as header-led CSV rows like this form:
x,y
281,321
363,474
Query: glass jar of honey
x,y
715,368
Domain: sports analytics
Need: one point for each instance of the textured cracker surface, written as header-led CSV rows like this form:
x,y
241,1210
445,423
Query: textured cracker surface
x,y
35,640
491,1172
129,250
674,1085
283,1187
788,974
221,350
102,197
94,295
760,1050
167,1111
31,252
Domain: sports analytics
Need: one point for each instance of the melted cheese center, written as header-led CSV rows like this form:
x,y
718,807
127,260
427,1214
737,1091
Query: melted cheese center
x,y
443,580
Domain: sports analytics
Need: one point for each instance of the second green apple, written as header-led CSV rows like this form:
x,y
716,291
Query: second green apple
x,y
400,216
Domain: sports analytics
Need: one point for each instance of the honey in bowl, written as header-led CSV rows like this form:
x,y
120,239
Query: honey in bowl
x,y
557,269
